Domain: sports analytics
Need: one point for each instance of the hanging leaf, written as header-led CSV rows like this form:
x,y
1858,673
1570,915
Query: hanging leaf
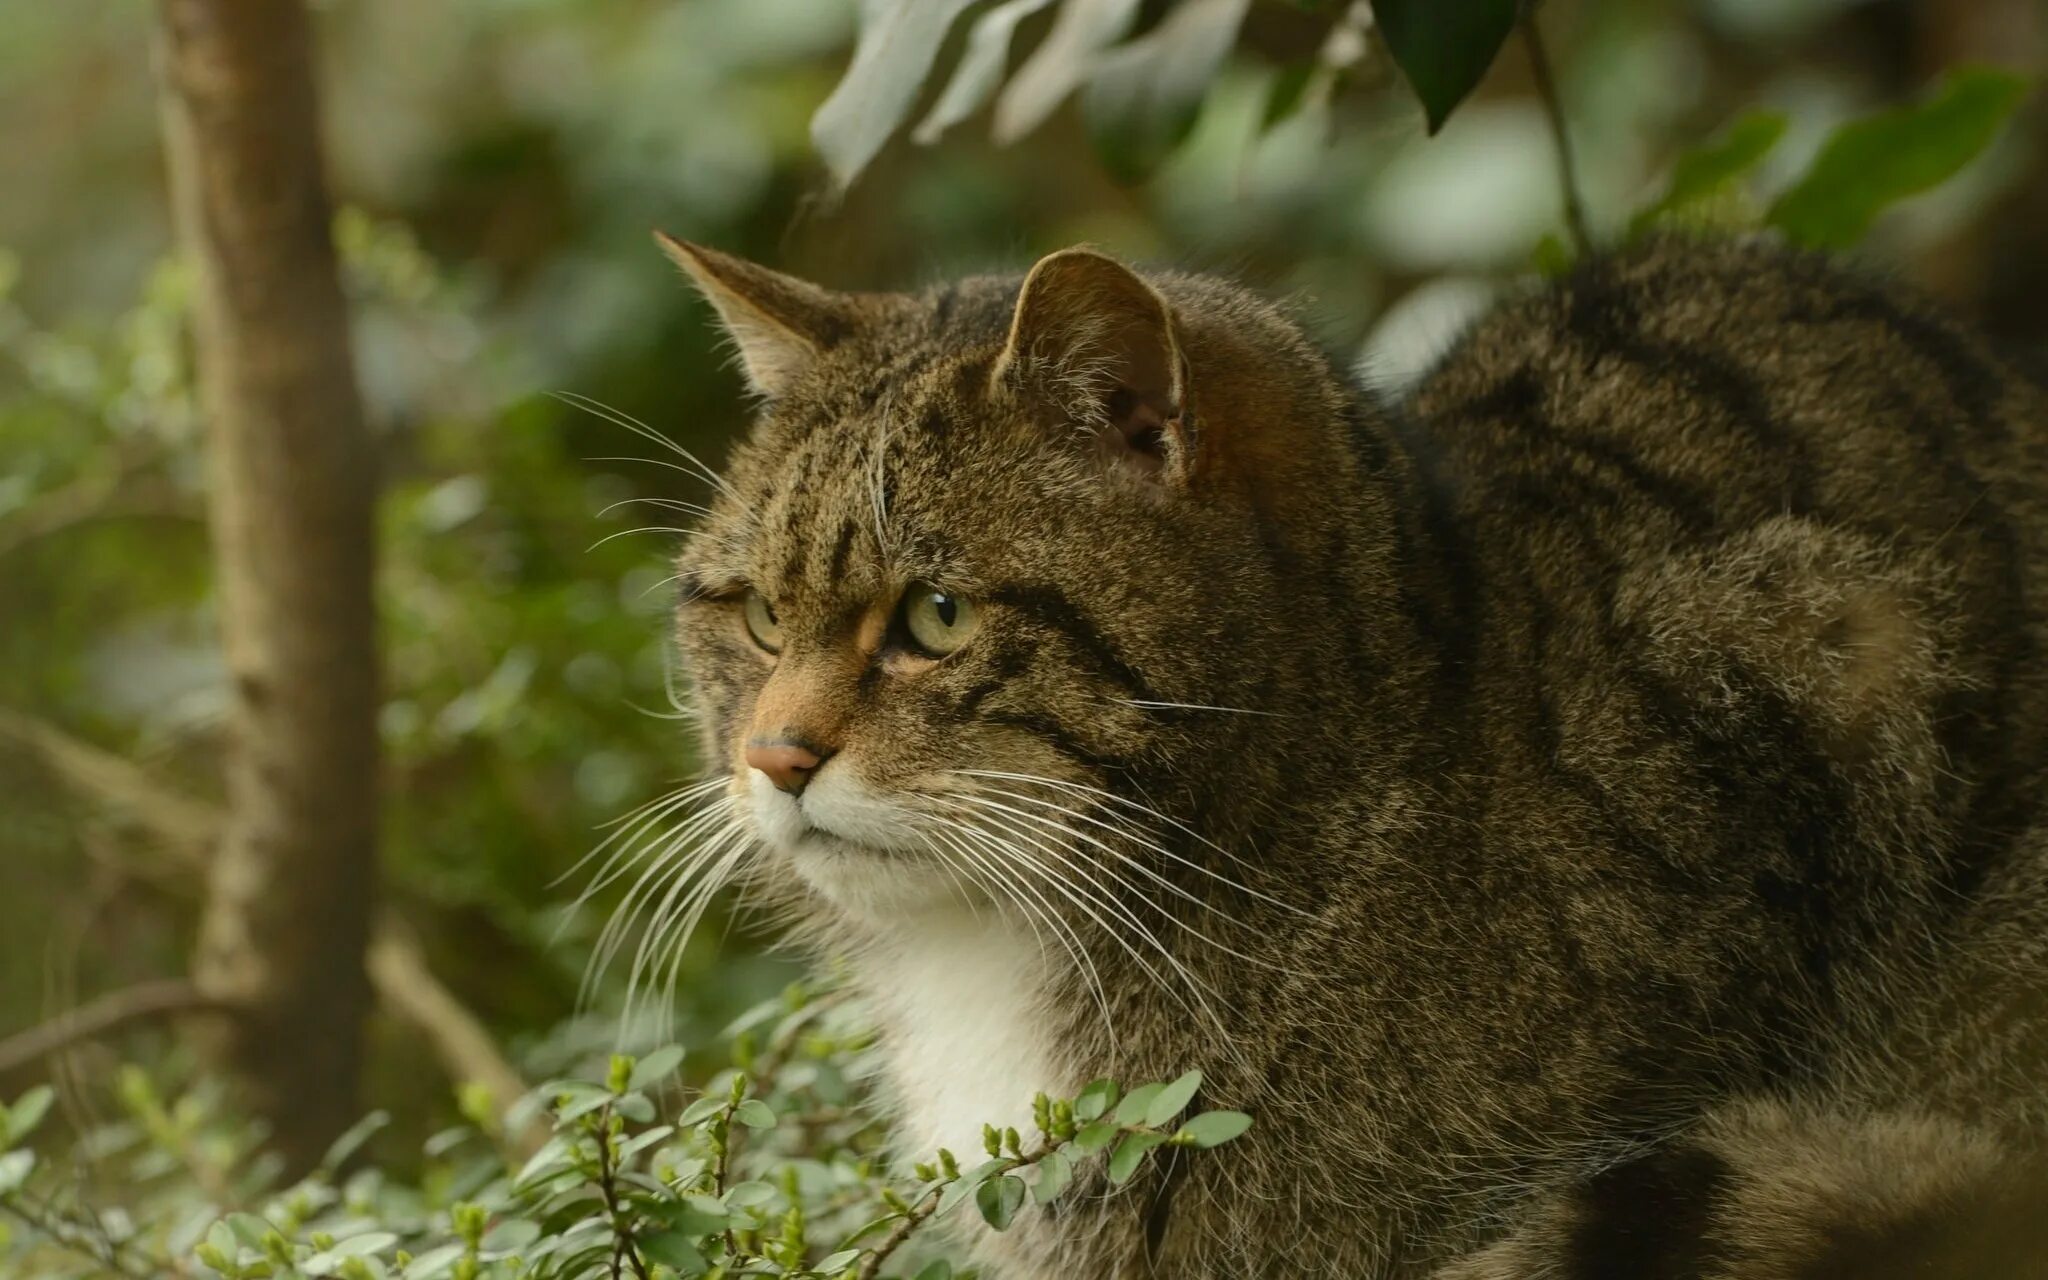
x,y
1705,172
1060,63
1870,164
999,1199
980,70
1444,47
1286,94
1143,97
899,39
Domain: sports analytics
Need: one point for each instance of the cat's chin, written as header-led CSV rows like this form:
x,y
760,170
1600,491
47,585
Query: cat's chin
x,y
875,886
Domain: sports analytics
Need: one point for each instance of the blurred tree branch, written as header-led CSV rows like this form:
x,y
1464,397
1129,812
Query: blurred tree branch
x,y
165,997
187,831
292,486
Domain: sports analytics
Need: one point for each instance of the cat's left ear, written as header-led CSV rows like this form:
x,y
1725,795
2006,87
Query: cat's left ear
x,y
780,324
1092,336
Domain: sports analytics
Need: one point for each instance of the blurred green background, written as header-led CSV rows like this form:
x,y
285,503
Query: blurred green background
x,y
499,165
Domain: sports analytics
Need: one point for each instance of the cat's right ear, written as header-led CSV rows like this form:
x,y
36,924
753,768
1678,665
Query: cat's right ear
x,y
1090,335
778,323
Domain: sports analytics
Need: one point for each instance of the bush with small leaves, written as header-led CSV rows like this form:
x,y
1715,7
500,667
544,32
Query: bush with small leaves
x,y
776,1169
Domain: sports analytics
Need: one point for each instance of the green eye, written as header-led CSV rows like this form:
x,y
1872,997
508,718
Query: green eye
x,y
762,623
938,623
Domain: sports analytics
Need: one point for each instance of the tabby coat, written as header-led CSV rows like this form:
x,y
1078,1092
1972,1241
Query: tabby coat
x,y
1587,813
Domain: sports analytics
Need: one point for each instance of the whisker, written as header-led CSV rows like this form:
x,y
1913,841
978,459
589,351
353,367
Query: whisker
x,y
1151,705
620,418
1098,794
1124,914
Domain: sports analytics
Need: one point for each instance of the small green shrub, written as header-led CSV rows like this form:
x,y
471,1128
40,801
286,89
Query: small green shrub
x,y
777,1168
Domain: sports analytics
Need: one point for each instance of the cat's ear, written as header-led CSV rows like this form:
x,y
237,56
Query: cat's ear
x,y
1089,333
779,324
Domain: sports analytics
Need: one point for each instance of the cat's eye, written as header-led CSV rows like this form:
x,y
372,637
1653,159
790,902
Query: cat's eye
x,y
762,624
937,621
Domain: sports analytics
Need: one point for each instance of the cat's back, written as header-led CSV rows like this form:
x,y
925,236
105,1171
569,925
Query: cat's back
x,y
1751,515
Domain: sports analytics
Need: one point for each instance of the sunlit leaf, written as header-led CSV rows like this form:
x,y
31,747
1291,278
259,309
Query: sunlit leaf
x,y
1060,63
1444,47
980,69
1872,163
1705,171
1143,97
898,41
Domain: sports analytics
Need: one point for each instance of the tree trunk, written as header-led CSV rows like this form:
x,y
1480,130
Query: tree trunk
x,y
283,933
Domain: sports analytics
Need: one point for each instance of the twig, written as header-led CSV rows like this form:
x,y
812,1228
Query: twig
x,y
188,830
69,1235
1553,110
108,1013
623,1249
407,987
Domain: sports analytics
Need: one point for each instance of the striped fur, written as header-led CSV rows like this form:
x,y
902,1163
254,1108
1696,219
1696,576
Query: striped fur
x,y
1587,813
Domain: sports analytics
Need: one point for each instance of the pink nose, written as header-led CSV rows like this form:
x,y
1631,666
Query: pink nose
x,y
787,765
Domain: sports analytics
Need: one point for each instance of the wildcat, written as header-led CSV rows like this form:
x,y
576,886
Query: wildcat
x,y
1588,812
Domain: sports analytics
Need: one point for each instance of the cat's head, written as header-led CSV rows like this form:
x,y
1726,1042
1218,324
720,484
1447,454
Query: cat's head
x,y
978,544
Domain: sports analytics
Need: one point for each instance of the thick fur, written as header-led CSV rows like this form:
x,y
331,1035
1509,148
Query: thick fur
x,y
1620,854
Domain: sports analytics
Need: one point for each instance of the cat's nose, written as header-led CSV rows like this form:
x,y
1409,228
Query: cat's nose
x,y
788,765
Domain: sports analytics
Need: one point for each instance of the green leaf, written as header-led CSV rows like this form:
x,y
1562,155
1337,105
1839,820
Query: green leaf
x,y
1444,47
1136,1103
1285,95
979,70
1143,97
1095,1137
899,40
1130,1153
970,1182
14,1170
1098,1097
701,1110
1214,1128
1173,1099
26,1113
755,1114
675,1250
1054,1173
1872,163
838,1261
509,1235
936,1269
656,1067
367,1243
640,1142
554,1156
434,1262
1552,257
1704,172
249,1228
1080,32
999,1199
636,1107
750,1194
696,1216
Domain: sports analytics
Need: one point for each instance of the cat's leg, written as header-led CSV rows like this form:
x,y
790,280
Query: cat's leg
x,y
1764,1191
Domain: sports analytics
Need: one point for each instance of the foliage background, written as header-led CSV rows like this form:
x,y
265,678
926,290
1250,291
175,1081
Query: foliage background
x,y
500,163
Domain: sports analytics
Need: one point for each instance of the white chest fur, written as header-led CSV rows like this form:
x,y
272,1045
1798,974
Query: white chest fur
x,y
966,1036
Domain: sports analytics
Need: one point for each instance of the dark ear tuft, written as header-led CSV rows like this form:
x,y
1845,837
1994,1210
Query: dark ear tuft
x,y
1091,335
778,323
